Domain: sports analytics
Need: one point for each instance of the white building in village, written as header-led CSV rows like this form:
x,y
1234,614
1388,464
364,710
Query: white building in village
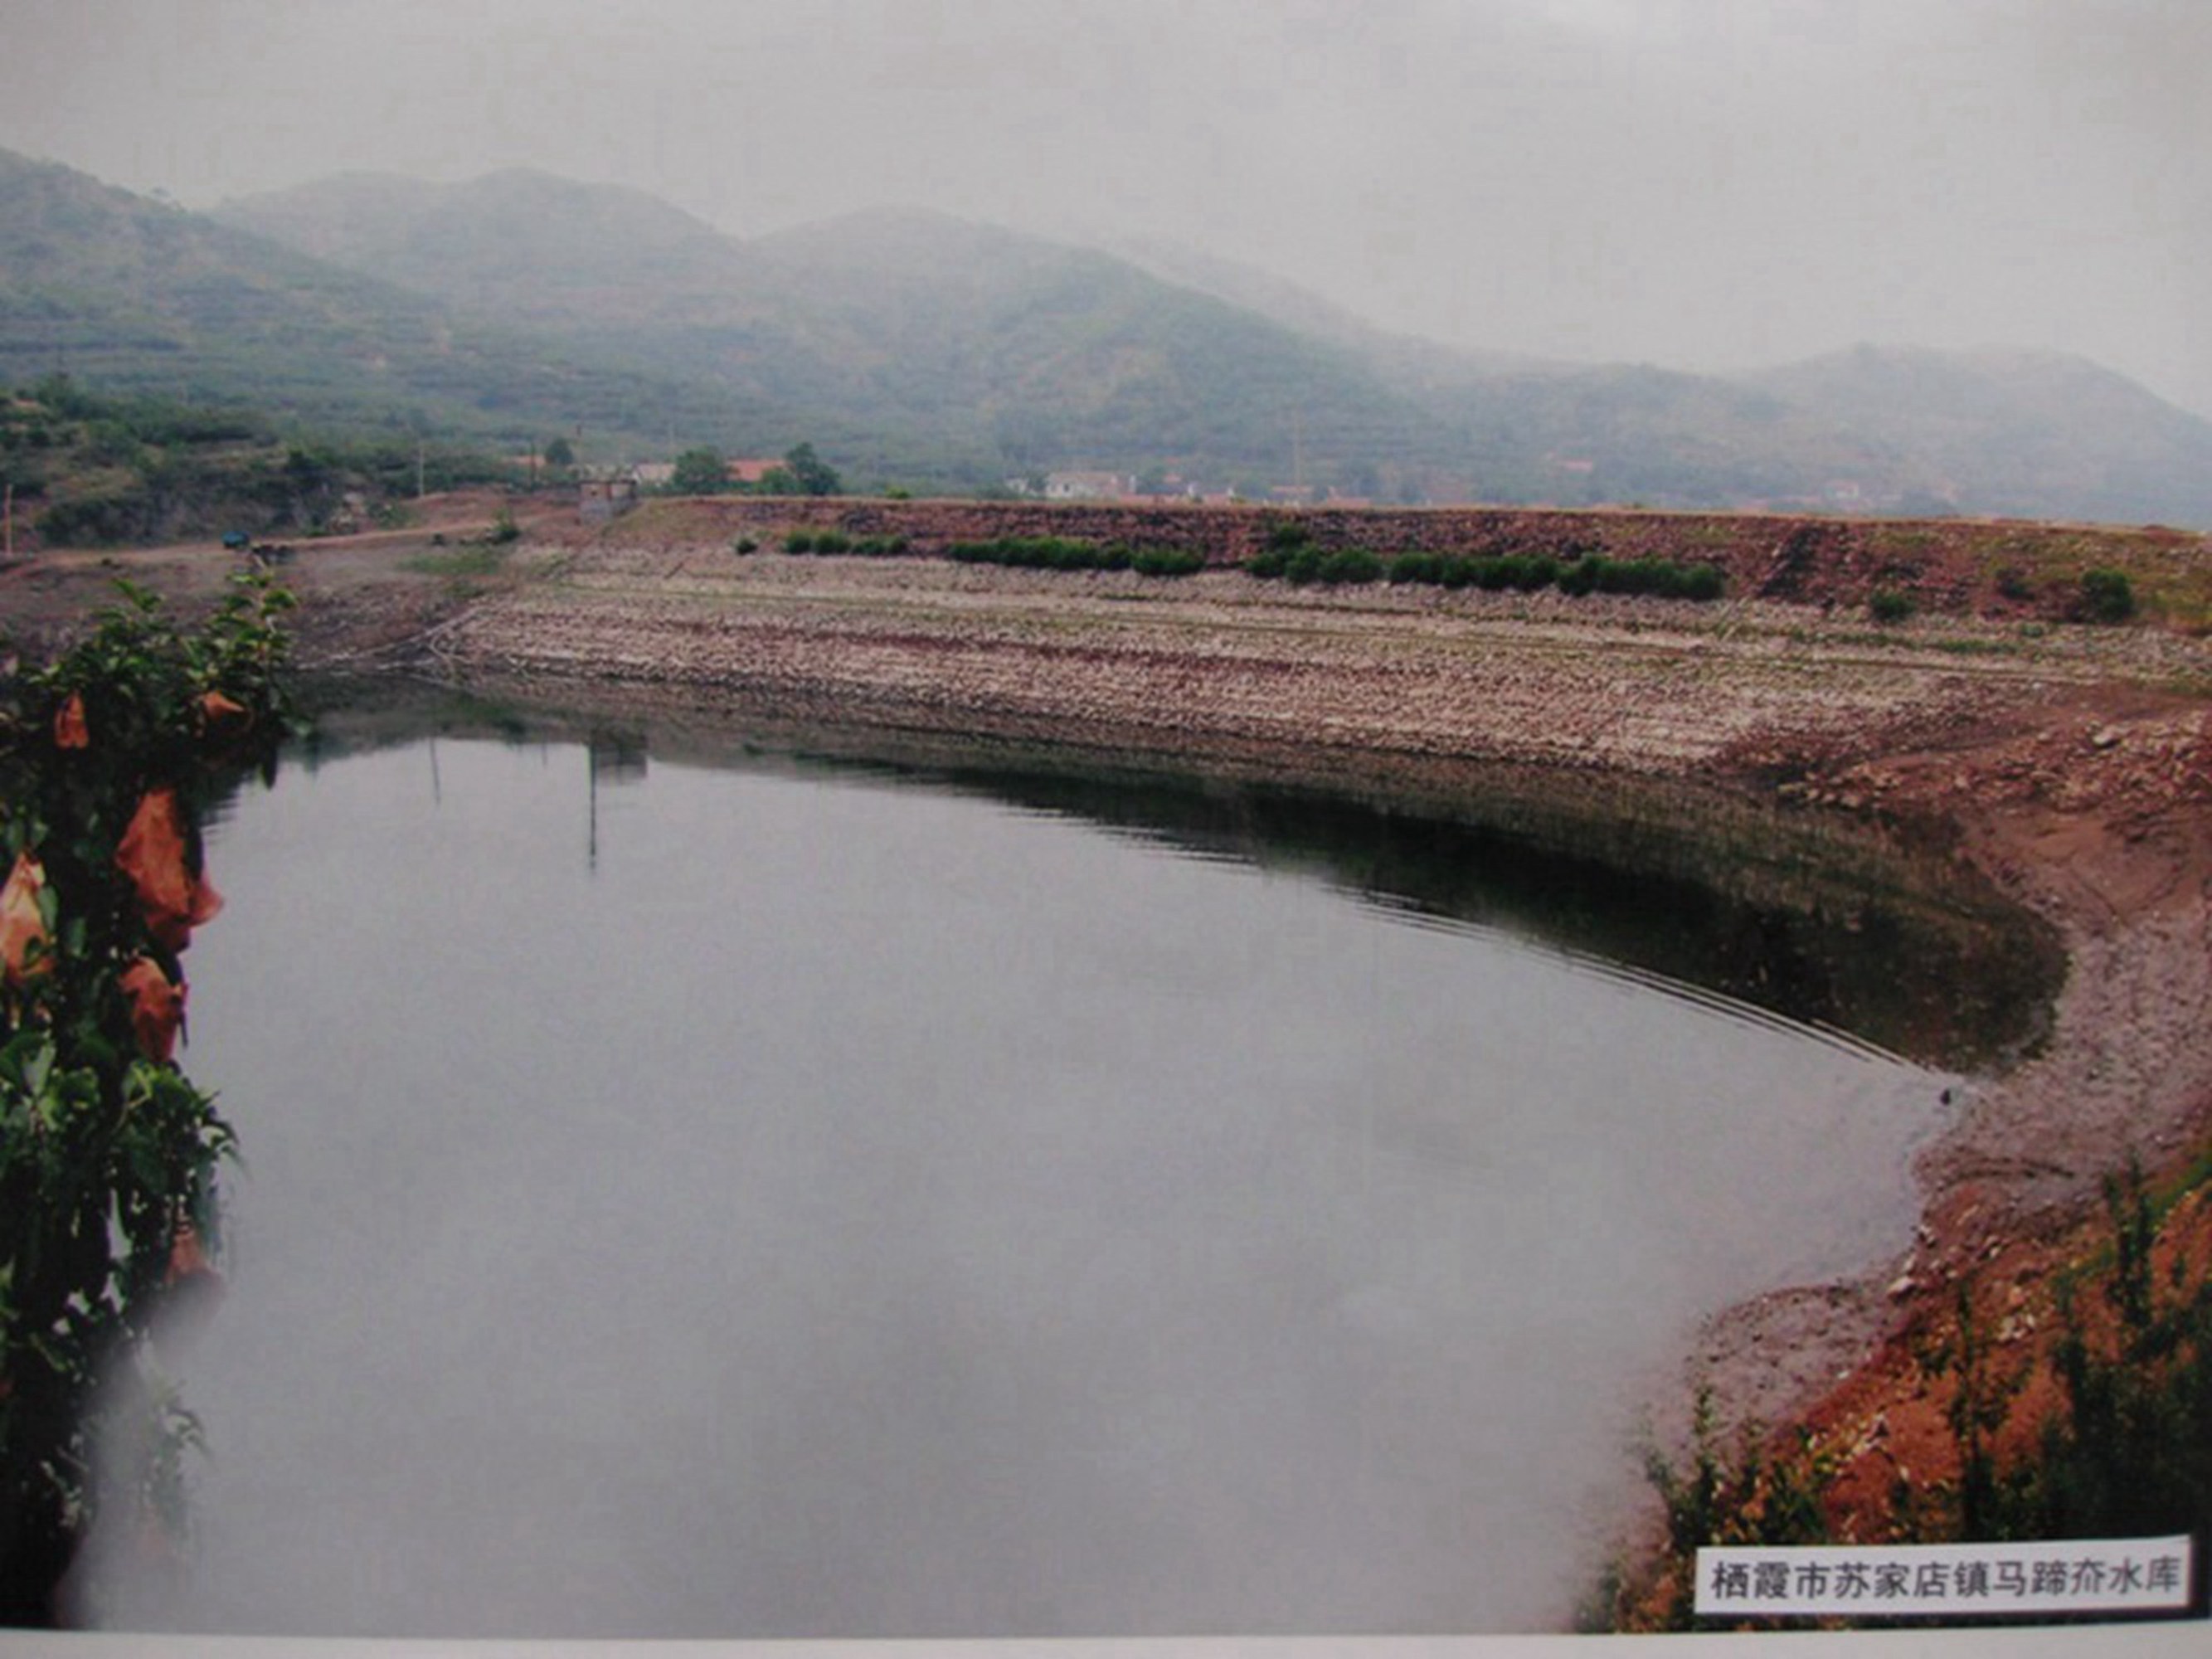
x,y
1088,486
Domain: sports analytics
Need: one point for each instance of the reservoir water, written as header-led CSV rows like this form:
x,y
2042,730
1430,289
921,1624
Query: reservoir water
x,y
771,1198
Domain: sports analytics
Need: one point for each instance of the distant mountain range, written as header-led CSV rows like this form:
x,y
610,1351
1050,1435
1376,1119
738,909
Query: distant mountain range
x,y
915,349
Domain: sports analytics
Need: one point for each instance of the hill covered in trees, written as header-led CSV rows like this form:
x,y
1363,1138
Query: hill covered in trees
x,y
915,349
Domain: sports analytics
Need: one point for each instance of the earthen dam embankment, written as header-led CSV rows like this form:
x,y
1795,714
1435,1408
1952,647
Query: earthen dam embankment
x,y
1991,568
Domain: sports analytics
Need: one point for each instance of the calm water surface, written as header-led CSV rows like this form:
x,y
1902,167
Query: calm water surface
x,y
780,1200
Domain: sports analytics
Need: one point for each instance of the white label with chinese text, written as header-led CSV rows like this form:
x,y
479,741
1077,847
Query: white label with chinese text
x,y
1897,1581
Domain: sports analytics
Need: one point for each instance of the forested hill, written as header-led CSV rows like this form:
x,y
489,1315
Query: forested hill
x,y
913,348
1024,355
124,294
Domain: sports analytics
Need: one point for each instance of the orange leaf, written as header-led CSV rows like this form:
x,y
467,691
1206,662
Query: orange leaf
x,y
21,927
191,1290
157,1007
171,897
70,729
186,1255
218,711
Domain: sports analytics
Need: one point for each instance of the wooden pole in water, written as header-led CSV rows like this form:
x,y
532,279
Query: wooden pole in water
x,y
8,523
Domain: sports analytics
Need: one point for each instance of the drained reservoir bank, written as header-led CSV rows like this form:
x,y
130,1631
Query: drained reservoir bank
x,y
2067,765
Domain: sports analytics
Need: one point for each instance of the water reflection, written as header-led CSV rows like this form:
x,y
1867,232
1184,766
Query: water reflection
x,y
1910,957
1827,926
792,1196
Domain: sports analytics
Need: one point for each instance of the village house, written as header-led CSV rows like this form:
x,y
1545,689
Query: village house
x,y
606,492
1087,486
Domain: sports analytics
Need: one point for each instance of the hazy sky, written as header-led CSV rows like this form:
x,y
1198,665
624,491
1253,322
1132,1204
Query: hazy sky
x,y
1700,183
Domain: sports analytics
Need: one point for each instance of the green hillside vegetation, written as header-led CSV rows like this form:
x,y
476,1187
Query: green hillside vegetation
x,y
927,350
532,250
1654,436
82,469
923,348
1058,356
2040,434
130,295
616,275
942,356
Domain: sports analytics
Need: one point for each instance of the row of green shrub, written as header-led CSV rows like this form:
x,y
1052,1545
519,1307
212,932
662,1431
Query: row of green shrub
x,y
837,544
1304,564
1064,553
2104,596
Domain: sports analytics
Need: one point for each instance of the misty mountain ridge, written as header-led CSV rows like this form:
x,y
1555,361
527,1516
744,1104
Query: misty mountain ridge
x,y
134,294
916,348
523,243
1408,357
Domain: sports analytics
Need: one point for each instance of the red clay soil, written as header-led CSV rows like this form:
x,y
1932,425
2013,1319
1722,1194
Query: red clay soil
x,y
1887,1427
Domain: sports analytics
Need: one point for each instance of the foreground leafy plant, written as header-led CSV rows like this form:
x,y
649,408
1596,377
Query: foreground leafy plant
x,y
1744,1493
109,756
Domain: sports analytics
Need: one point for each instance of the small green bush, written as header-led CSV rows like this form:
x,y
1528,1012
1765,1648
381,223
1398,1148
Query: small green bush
x,y
1351,565
2107,596
1580,578
1167,561
1889,604
1702,583
799,541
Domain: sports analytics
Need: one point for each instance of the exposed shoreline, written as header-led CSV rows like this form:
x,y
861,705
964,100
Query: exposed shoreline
x,y
2073,770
